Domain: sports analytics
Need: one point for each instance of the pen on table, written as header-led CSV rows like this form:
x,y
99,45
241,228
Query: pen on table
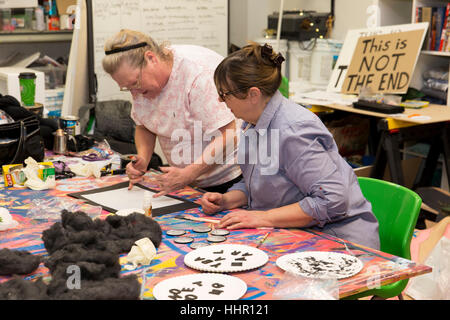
x,y
113,172
263,239
185,217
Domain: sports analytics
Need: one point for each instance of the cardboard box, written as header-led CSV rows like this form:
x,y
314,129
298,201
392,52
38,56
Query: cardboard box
x,y
64,6
47,170
13,173
410,170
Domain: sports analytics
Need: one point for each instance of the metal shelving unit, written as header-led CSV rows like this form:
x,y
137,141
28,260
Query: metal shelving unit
x,y
33,36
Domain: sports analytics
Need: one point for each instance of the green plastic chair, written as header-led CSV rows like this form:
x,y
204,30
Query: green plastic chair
x,y
396,209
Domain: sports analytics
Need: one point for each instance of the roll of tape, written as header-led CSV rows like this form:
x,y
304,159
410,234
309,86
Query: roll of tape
x,y
125,159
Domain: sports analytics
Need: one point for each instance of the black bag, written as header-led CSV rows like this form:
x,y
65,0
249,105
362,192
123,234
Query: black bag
x,y
20,139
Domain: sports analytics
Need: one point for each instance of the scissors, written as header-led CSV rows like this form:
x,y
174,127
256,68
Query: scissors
x,y
62,171
92,157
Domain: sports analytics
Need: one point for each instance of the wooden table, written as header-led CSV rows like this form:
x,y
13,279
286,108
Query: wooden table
x,y
430,124
261,283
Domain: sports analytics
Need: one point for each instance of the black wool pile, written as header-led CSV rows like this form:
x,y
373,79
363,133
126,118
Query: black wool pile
x,y
94,264
125,288
20,289
115,234
92,248
17,262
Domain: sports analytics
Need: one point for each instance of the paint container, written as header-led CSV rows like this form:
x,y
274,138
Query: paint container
x,y
323,59
70,124
38,109
147,204
321,63
300,60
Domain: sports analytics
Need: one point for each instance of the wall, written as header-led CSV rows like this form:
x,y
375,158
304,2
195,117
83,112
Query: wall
x,y
248,18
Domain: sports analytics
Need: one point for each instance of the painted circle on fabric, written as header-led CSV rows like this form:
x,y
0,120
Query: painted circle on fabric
x,y
201,229
220,232
216,239
175,232
196,245
183,240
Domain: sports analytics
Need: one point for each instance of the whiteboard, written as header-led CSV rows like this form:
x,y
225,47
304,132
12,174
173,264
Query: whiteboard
x,y
198,22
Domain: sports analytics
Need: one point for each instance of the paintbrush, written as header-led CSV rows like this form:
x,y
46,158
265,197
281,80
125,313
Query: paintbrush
x,y
263,239
191,218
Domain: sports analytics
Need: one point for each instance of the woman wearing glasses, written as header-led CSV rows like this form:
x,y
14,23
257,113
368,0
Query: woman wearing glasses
x,y
174,99
306,183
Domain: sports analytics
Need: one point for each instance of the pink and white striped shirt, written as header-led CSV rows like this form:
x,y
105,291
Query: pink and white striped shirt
x,y
187,113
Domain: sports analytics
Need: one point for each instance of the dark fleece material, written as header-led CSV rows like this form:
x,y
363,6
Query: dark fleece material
x,y
17,262
125,288
115,234
94,246
20,289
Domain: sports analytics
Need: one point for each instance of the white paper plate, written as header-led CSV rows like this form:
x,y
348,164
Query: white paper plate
x,y
226,258
128,211
319,264
200,286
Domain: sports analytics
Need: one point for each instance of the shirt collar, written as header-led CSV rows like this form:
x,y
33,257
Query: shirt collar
x,y
269,111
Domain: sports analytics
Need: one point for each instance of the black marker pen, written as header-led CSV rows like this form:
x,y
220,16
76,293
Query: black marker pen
x,y
113,172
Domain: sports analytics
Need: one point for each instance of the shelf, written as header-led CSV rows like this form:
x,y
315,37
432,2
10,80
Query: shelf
x,y
30,36
436,53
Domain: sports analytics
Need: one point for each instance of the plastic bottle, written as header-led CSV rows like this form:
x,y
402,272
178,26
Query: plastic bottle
x,y
53,17
40,21
147,204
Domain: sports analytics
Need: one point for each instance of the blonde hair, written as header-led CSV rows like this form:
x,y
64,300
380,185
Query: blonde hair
x,y
134,57
254,65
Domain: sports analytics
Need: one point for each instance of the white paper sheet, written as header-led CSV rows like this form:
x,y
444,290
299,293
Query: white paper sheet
x,y
324,98
123,199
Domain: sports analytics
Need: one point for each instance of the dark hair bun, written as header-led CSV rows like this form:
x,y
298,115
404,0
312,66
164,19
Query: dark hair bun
x,y
268,53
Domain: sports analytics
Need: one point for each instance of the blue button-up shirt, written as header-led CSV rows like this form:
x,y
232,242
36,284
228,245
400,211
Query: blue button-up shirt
x,y
290,156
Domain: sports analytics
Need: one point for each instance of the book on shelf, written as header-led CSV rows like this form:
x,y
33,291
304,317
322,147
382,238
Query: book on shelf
x,y
427,17
445,33
438,32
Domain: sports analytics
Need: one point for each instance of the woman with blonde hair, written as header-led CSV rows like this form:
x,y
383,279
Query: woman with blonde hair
x,y
174,98
306,183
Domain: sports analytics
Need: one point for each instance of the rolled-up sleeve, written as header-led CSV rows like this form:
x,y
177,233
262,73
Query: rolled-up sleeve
x,y
312,166
240,186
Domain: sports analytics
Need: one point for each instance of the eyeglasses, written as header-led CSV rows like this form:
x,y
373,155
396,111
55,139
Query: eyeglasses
x,y
223,95
138,84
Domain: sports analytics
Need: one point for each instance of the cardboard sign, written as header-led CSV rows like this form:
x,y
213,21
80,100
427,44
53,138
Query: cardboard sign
x,y
353,39
384,63
66,6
